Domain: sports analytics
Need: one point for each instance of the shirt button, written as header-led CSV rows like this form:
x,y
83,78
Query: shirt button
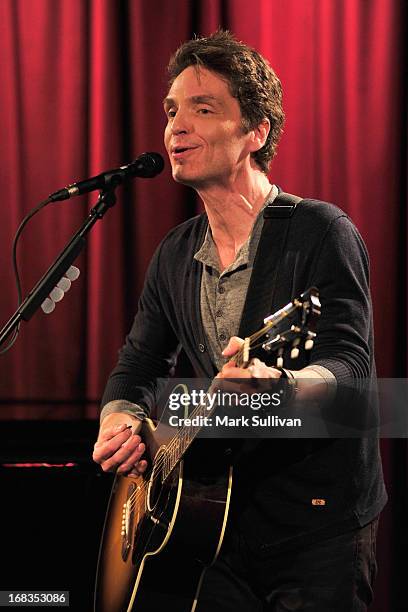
x,y
218,313
201,348
222,337
221,289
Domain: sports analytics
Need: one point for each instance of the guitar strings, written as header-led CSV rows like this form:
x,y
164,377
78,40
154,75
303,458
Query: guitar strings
x,y
187,434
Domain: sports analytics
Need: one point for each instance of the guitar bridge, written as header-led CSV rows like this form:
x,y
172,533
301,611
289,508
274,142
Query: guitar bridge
x,y
128,511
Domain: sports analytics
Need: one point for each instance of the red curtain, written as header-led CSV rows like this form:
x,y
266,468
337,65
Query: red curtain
x,y
82,84
82,90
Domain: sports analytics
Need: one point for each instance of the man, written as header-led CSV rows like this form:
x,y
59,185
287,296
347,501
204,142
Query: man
x,y
283,551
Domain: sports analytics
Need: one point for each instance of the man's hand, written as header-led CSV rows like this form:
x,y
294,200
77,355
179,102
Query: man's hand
x,y
310,384
119,447
256,369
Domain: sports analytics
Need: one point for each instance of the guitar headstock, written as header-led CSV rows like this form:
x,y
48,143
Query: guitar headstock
x,y
293,325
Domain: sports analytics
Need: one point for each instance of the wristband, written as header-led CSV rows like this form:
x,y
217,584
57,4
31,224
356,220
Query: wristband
x,y
291,384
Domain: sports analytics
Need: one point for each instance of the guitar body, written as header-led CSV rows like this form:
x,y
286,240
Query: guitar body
x,y
161,536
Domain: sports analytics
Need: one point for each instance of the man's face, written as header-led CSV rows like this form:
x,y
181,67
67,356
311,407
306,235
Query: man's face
x,y
204,137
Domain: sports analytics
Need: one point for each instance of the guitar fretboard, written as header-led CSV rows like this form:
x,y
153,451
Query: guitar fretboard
x,y
186,435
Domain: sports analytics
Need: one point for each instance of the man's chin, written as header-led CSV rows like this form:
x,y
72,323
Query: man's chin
x,y
184,178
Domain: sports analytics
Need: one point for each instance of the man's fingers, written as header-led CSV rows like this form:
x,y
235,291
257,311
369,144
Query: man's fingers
x,y
129,463
232,372
256,369
110,432
233,346
115,461
138,469
104,450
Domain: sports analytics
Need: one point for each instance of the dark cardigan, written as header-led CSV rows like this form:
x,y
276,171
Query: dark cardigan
x,y
272,497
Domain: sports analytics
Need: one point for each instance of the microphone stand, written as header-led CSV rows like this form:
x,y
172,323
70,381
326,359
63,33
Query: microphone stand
x,y
37,295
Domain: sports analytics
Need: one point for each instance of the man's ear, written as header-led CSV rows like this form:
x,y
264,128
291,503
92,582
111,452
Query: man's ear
x,y
260,134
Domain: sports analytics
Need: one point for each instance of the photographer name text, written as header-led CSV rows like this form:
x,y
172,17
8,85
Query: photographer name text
x,y
270,420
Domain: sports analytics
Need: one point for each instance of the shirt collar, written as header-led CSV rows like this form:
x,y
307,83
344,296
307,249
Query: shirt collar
x,y
208,255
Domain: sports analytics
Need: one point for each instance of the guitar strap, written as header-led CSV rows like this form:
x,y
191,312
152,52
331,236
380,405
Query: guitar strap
x,y
282,207
262,286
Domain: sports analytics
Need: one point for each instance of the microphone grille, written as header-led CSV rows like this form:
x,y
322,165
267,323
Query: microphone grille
x,y
147,165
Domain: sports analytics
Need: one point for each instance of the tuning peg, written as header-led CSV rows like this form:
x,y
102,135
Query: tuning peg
x,y
294,353
279,359
309,344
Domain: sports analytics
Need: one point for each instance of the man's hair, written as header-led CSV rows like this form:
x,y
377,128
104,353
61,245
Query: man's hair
x,y
251,81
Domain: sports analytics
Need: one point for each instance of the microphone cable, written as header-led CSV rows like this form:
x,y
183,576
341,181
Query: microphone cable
x,y
18,233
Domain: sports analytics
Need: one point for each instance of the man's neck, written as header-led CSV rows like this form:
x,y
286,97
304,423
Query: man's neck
x,y
232,212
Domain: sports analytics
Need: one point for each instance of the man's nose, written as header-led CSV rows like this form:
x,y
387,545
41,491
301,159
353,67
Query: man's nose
x,y
181,123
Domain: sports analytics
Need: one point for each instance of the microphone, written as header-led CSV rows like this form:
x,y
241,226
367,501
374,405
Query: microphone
x,y
147,165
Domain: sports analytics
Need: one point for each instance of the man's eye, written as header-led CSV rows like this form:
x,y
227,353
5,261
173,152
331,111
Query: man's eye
x,y
204,111
171,113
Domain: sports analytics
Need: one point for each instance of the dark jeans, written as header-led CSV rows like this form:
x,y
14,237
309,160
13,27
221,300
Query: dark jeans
x,y
334,575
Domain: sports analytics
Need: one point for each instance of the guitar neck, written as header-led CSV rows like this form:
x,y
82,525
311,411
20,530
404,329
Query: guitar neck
x,y
181,441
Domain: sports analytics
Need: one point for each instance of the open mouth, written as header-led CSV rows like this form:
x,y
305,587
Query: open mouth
x,y
177,151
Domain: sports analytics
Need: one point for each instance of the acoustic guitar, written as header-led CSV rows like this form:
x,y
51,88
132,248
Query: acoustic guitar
x,y
167,526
